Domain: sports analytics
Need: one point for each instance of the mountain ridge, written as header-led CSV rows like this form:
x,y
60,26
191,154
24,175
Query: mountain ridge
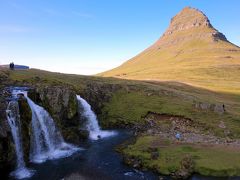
x,y
191,50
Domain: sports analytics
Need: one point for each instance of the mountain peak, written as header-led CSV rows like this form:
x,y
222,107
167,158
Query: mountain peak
x,y
188,18
189,24
190,46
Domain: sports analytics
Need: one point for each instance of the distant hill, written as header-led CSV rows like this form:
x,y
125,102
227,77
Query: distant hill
x,y
191,51
18,67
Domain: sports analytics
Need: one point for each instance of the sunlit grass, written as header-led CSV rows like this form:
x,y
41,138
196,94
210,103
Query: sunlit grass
x,y
207,160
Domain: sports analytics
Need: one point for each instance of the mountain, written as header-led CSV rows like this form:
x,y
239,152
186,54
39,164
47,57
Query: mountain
x,y
191,51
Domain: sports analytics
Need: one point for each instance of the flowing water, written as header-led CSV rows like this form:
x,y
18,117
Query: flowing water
x,y
93,127
14,122
46,141
97,161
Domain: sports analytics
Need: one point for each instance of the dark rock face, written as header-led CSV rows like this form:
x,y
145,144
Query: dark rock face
x,y
219,36
7,152
26,117
98,94
61,103
7,147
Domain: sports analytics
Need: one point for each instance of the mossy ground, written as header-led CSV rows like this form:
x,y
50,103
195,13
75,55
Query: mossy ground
x,y
129,106
215,160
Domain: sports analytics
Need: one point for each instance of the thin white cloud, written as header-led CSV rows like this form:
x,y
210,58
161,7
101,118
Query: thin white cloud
x,y
54,12
14,29
80,14
49,11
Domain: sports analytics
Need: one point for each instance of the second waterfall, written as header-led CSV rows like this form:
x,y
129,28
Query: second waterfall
x,y
92,125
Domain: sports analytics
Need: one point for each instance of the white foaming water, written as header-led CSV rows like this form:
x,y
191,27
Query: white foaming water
x,y
13,118
93,127
46,140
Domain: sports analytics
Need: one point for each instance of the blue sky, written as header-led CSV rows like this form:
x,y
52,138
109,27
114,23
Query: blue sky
x,y
90,36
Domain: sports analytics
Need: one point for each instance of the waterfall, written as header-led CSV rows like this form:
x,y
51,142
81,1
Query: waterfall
x,y
47,142
13,119
92,125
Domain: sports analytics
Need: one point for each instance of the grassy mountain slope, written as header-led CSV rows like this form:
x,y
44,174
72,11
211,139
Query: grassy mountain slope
x,y
190,51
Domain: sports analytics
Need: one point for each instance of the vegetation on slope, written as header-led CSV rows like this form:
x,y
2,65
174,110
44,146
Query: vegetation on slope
x,y
129,105
190,51
166,157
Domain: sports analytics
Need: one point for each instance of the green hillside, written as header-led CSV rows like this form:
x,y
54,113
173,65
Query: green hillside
x,y
129,104
190,51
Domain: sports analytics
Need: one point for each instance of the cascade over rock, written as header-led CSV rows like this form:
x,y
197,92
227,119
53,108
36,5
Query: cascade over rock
x,y
61,103
18,143
92,125
47,141
7,151
14,122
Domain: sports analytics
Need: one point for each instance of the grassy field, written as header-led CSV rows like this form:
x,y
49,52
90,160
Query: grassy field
x,y
161,97
215,160
132,107
131,104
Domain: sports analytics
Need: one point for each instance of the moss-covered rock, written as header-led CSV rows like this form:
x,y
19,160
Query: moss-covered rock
x,y
186,168
25,116
97,94
61,103
7,152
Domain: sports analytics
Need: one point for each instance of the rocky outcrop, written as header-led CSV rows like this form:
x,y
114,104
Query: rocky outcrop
x,y
217,108
7,147
98,93
188,18
7,152
186,168
187,25
61,103
25,117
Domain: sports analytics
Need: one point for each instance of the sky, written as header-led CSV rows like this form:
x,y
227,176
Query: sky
x,y
91,36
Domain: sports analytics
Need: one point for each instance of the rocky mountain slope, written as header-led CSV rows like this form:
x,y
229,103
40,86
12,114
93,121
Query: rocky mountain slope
x,y
191,51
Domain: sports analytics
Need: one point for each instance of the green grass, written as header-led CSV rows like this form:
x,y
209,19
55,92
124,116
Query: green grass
x,y
132,102
209,161
130,108
129,105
